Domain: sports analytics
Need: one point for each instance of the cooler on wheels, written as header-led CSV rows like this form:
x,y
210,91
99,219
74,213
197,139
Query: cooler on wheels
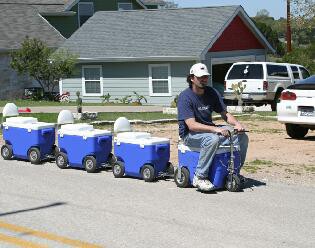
x,y
82,146
27,138
140,155
188,158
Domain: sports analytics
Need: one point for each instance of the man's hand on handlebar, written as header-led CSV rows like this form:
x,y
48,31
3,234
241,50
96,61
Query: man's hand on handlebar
x,y
239,127
222,131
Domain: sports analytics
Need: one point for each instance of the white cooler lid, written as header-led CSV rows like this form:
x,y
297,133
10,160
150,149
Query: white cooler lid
x,y
26,122
222,149
77,127
133,135
140,138
82,129
21,120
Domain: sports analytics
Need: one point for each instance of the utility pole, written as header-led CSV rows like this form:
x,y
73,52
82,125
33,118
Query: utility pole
x,y
289,47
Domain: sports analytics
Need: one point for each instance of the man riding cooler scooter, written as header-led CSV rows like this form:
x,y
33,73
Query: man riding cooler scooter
x,y
196,128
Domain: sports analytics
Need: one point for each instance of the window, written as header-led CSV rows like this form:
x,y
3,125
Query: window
x,y
92,80
85,11
125,6
246,71
305,73
160,80
295,72
277,71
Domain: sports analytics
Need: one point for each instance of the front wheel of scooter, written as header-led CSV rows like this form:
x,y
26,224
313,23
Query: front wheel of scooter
x,y
6,152
183,181
233,183
118,169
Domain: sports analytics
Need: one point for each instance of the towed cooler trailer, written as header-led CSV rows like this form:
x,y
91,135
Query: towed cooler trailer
x,y
26,137
139,154
224,170
82,146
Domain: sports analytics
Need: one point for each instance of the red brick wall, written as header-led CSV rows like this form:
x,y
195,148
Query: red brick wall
x,y
237,36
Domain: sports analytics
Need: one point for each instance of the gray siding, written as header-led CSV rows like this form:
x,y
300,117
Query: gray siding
x,y
11,84
121,79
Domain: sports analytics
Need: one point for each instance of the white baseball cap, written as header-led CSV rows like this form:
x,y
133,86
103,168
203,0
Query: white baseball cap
x,y
199,70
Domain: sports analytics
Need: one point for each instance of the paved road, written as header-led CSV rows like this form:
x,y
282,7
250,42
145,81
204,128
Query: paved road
x,y
45,205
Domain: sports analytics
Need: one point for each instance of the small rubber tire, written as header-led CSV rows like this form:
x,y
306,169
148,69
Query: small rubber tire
x,y
119,169
183,181
147,173
55,150
90,164
6,152
170,169
233,183
112,159
62,160
275,101
34,155
296,131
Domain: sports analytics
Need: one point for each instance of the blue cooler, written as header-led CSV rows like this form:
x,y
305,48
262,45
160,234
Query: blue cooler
x,y
79,142
141,155
27,138
188,158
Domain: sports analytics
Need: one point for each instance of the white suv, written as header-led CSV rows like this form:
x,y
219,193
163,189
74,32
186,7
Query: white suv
x,y
264,81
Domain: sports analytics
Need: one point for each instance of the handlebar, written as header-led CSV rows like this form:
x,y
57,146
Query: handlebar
x,y
234,132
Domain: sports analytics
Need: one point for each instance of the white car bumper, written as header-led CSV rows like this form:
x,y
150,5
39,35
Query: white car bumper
x,y
292,112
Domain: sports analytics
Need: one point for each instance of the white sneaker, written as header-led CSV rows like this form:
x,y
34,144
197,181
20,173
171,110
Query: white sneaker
x,y
202,184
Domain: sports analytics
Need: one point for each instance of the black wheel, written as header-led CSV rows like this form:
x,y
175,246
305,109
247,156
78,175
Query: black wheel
x,y
112,159
118,169
62,160
170,169
34,155
90,164
147,173
6,152
55,150
233,183
275,101
296,131
183,181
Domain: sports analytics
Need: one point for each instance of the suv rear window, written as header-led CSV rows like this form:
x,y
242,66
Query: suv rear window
x,y
295,72
277,71
304,72
246,71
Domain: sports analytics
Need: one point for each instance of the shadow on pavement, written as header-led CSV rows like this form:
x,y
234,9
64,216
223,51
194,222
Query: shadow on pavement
x,y
56,204
249,183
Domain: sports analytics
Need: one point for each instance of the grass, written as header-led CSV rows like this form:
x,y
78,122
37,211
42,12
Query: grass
x,y
52,117
30,103
261,116
256,165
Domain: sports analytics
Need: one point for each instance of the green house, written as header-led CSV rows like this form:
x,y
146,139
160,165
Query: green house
x,y
75,13
52,21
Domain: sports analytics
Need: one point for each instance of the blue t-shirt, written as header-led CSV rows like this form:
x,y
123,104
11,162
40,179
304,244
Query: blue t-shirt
x,y
191,105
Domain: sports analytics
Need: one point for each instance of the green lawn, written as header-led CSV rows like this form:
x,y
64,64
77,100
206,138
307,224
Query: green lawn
x,y
52,117
29,103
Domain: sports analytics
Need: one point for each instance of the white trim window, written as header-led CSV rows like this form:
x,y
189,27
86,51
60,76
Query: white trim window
x,y
160,80
125,6
92,80
85,11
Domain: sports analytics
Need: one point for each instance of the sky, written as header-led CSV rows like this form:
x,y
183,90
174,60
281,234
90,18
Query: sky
x,y
276,8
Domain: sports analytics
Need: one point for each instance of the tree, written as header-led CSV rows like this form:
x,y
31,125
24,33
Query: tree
x,y
303,21
271,35
262,13
303,56
303,13
42,63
